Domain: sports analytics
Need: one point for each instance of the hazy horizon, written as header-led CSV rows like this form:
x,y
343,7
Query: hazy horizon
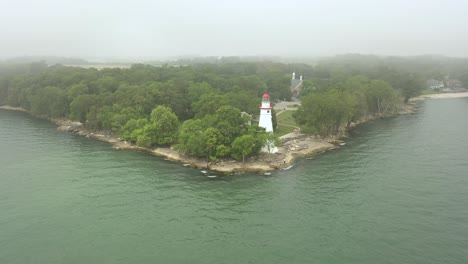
x,y
161,29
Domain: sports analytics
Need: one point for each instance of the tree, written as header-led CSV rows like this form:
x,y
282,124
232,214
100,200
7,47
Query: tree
x,y
133,129
409,86
325,112
230,123
50,102
163,126
76,90
274,120
242,147
80,107
198,141
270,141
308,87
381,98
208,104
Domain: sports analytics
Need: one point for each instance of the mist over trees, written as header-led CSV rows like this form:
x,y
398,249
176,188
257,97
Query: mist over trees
x,y
155,106
197,108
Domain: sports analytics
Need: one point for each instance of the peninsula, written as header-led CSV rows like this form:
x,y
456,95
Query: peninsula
x,y
225,116
291,146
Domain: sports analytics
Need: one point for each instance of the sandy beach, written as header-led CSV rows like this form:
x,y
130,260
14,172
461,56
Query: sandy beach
x,y
440,96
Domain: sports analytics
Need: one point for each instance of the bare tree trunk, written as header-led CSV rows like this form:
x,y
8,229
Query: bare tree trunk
x,y
378,104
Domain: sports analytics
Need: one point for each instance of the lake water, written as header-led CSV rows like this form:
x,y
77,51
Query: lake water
x,y
397,192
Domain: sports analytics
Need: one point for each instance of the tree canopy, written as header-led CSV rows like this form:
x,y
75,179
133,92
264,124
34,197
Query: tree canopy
x,y
197,107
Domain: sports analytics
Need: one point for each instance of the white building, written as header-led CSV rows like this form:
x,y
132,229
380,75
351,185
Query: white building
x,y
265,120
435,84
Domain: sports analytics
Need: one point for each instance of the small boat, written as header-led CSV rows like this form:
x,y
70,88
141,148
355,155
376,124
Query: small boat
x,y
211,176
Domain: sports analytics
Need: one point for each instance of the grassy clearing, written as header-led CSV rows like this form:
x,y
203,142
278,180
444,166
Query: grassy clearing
x,y
429,91
285,121
286,118
283,130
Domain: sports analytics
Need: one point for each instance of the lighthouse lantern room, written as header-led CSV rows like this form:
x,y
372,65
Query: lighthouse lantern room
x,y
265,113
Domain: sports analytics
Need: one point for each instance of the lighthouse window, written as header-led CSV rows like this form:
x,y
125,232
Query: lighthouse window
x,y
268,111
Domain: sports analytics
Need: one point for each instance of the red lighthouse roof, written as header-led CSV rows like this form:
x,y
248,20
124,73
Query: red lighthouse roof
x,y
266,95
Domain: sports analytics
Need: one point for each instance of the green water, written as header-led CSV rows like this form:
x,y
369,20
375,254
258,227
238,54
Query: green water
x,y
396,193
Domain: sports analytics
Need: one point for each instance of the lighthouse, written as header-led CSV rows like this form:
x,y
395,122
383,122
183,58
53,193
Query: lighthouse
x,y
265,113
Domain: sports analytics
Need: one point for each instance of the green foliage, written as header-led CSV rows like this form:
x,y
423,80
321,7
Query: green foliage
x,y
269,140
251,143
327,111
208,98
409,85
50,102
197,139
80,107
133,129
242,147
77,90
286,118
230,123
274,121
208,104
308,87
162,128
381,98
212,136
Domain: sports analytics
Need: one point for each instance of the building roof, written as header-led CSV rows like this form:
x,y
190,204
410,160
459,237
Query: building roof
x,y
266,95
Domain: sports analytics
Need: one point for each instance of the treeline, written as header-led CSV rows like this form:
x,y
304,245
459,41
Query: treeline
x,y
9,69
343,89
49,60
327,109
197,108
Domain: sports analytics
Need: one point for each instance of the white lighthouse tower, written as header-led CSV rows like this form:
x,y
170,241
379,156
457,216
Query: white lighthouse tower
x,y
265,113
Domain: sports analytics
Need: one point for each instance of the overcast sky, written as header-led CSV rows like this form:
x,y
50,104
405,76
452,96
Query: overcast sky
x,y
154,29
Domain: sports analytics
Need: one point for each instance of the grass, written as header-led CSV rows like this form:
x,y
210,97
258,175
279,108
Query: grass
x,y
283,130
285,120
429,91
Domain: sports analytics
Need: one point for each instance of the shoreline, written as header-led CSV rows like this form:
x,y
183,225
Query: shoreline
x,y
293,146
440,96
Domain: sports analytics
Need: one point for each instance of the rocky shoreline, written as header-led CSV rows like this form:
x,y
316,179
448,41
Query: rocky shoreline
x,y
293,146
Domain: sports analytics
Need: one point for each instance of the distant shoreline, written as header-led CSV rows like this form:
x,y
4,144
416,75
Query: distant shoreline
x,y
11,108
440,96
293,146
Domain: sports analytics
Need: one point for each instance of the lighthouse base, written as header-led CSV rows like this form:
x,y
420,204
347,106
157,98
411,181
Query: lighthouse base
x,y
269,148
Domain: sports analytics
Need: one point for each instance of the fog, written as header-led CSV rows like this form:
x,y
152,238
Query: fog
x,y
163,29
